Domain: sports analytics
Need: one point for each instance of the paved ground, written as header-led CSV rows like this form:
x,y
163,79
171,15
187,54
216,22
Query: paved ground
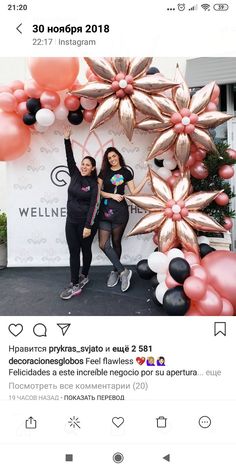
x,y
35,291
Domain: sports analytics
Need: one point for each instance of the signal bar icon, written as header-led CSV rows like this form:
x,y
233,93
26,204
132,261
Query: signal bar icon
x,y
206,6
193,8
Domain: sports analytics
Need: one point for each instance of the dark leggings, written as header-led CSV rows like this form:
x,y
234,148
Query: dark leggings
x,y
76,243
113,252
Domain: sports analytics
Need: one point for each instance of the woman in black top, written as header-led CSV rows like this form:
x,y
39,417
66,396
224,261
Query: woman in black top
x,y
82,207
113,214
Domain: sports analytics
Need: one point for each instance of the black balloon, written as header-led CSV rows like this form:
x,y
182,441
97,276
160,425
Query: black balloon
x,y
29,119
154,281
33,105
159,162
205,249
153,70
144,270
175,302
75,117
179,269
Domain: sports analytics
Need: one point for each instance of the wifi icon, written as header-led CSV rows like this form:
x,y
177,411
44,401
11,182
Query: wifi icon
x,y
206,6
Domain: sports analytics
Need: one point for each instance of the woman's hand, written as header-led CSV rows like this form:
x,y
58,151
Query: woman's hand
x,y
67,131
86,232
117,197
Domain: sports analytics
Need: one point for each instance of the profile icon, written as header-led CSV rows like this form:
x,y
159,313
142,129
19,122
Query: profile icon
x,y
161,361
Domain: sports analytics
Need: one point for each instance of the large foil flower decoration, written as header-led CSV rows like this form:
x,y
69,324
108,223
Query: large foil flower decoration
x,y
186,121
174,214
124,86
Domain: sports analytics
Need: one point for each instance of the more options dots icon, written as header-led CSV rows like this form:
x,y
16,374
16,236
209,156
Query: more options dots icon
x,y
204,422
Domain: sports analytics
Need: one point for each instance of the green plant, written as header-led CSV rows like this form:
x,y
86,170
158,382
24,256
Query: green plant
x,y
3,228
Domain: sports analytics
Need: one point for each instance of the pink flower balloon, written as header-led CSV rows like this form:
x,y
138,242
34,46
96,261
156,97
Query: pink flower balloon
x,y
54,73
211,304
72,102
226,172
14,136
221,271
49,99
32,89
194,288
7,101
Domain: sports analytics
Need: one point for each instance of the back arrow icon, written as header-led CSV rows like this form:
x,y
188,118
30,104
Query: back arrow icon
x,y
18,28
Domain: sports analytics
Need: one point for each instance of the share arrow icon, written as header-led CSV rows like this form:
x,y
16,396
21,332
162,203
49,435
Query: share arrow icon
x,y
64,327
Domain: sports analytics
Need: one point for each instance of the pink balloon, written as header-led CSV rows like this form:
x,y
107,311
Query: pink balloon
x,y
88,72
228,224
231,153
88,103
49,99
198,271
170,282
194,288
211,304
191,258
61,112
221,271
7,102
193,311
93,78
199,155
172,180
76,85
228,309
72,102
199,171
22,108
211,107
226,172
54,73
89,115
222,199
5,88
155,239
20,95
32,89
191,160
14,136
16,85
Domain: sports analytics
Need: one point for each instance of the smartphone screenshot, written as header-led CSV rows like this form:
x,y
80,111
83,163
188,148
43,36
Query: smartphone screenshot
x,y
117,236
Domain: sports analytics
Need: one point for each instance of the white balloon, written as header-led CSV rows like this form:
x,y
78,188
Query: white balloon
x,y
61,112
88,103
166,155
158,262
203,240
164,173
45,117
160,291
161,277
172,253
170,164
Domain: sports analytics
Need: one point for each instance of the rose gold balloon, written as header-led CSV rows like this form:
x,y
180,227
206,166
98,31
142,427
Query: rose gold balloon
x,y
170,282
201,98
139,66
182,151
194,288
192,258
200,200
105,111
187,236
231,153
222,199
198,271
153,84
33,89
226,172
221,270
145,104
228,224
14,136
22,108
199,170
127,117
54,73
203,222
148,223
203,139
228,309
212,119
49,99
181,94
16,85
211,304
163,143
167,235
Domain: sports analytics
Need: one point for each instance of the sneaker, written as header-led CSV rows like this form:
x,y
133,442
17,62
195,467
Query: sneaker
x,y
113,279
125,278
83,281
70,291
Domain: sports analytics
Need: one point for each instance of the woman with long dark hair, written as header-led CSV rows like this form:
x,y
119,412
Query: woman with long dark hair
x,y
81,223
113,214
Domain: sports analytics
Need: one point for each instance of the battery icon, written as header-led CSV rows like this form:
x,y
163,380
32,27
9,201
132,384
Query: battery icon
x,y
221,7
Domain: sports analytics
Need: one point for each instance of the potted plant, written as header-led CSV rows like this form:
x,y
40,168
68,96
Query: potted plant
x,y
3,240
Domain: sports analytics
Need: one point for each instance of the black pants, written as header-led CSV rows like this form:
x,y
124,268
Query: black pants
x,y
76,244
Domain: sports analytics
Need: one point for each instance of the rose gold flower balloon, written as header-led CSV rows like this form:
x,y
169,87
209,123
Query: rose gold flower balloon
x,y
125,82
186,121
173,214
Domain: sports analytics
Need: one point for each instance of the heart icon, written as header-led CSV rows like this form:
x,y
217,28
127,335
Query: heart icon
x,y
15,329
140,360
118,421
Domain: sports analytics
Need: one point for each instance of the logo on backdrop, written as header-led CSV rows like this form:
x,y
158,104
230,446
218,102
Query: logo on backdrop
x,y
59,176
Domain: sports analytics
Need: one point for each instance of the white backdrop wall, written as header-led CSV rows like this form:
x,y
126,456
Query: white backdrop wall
x,y
34,188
